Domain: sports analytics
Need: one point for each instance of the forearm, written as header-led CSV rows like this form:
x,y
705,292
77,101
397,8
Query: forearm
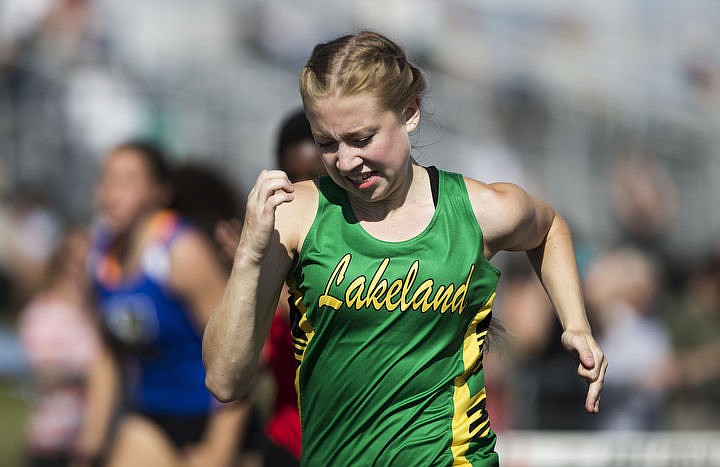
x,y
239,325
236,331
555,264
223,436
102,393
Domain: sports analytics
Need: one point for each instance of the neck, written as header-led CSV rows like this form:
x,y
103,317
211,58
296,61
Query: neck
x,y
69,290
127,241
410,189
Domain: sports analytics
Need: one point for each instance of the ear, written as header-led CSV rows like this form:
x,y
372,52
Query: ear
x,y
411,115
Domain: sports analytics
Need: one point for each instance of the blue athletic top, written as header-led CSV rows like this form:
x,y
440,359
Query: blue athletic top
x,y
159,342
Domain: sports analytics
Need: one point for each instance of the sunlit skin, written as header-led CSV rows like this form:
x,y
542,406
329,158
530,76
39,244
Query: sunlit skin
x,y
126,191
365,149
78,245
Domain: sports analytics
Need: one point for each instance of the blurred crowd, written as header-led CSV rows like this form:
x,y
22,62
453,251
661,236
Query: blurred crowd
x,y
620,136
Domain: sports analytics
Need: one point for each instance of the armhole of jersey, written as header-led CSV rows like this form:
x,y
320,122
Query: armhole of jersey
x,y
320,184
156,257
434,176
178,228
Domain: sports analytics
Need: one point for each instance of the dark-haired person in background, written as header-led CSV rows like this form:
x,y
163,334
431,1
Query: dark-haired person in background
x,y
296,154
202,195
156,280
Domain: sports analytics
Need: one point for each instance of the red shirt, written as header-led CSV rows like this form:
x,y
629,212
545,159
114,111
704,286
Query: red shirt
x,y
283,428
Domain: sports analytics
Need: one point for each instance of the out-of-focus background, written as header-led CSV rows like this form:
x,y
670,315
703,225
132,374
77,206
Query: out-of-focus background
x,y
608,110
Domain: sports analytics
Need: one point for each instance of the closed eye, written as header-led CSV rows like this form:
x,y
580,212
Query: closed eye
x,y
325,144
361,142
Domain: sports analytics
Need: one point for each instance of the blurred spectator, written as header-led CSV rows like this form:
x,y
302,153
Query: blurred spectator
x,y
284,31
645,201
102,107
692,373
295,150
34,232
513,126
699,65
6,282
44,37
157,280
58,334
296,154
621,289
545,393
19,21
204,196
521,112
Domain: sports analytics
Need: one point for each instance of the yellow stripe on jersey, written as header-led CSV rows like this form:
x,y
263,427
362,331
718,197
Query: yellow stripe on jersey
x,y
470,418
302,333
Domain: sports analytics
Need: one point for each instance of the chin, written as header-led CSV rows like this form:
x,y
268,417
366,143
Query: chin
x,y
113,225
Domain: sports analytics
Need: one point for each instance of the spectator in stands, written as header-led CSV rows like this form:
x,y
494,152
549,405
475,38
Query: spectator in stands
x,y
621,288
545,394
692,372
156,280
208,199
297,155
57,330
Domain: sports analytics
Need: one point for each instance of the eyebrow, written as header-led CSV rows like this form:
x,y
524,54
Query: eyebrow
x,y
349,134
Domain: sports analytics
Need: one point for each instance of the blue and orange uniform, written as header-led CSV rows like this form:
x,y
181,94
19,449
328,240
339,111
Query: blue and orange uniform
x,y
154,333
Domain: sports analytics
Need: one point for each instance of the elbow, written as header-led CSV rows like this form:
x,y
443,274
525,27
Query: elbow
x,y
229,371
222,391
228,386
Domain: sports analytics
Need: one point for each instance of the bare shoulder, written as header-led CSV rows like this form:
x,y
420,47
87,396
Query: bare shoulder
x,y
193,260
502,210
494,203
293,219
190,244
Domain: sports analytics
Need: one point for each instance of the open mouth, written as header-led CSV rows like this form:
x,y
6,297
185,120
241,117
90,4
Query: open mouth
x,y
362,181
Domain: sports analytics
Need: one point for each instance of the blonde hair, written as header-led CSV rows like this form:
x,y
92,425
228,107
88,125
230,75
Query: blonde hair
x,y
363,62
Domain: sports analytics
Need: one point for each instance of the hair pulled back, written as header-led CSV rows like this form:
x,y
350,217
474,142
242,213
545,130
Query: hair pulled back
x,y
363,62
152,154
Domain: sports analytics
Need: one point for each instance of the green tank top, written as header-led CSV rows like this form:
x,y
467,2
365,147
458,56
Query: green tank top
x,y
388,337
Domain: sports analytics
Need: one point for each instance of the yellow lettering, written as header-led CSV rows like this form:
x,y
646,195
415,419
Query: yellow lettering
x,y
392,291
442,299
421,296
371,293
337,276
381,294
459,299
407,285
353,294
377,295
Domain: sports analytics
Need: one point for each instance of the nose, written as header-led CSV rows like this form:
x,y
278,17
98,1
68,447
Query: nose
x,y
347,158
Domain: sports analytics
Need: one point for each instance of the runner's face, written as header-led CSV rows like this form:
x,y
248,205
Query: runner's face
x,y
126,189
365,148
